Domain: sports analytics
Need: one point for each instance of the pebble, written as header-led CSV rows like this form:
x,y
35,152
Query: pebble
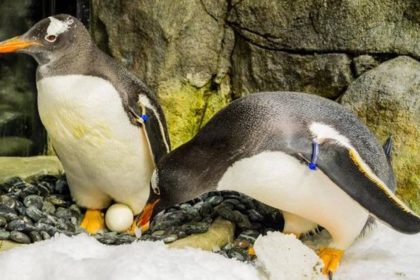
x,y
35,236
17,225
45,235
57,200
197,227
170,238
63,213
48,207
33,200
158,233
7,213
3,222
8,201
255,216
20,237
44,207
61,187
214,200
4,234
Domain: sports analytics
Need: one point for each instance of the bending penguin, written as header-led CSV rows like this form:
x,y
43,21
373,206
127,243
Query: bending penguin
x,y
105,125
300,153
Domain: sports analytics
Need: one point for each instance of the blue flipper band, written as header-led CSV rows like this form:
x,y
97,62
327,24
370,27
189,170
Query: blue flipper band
x,y
145,118
314,157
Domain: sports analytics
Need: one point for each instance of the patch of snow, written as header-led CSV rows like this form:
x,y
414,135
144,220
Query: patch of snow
x,y
382,254
284,257
82,257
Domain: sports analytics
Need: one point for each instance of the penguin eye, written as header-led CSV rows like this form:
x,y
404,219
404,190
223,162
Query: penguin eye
x,y
51,38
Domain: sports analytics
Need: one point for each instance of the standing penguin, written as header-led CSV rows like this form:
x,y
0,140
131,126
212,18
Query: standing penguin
x,y
105,125
300,153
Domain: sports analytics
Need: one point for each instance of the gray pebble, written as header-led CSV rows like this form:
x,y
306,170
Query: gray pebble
x,y
63,213
4,235
170,238
17,225
255,216
58,201
195,227
33,200
206,209
61,187
8,201
158,233
3,222
48,207
75,209
231,201
29,190
214,200
20,237
34,213
124,239
45,235
35,236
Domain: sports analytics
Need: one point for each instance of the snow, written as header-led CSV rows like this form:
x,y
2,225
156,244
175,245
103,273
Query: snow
x,y
381,254
82,257
282,254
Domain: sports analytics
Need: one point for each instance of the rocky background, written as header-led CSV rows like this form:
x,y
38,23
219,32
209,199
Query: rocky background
x,y
21,133
198,55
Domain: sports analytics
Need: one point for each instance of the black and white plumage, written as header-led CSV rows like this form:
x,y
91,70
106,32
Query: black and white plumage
x,y
260,145
91,107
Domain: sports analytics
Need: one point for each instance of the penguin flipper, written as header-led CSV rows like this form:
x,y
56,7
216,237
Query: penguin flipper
x,y
148,119
344,166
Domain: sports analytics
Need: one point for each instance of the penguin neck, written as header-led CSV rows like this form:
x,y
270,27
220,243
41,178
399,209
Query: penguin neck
x,y
75,61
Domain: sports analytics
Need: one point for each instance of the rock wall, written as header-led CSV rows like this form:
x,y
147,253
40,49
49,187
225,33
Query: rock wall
x,y
198,55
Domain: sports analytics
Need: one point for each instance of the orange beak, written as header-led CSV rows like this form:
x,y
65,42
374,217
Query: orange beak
x,y
145,216
15,44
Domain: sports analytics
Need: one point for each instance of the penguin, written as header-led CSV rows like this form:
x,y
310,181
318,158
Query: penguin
x,y
105,125
302,154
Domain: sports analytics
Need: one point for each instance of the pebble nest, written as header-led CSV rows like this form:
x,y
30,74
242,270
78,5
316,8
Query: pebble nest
x,y
39,209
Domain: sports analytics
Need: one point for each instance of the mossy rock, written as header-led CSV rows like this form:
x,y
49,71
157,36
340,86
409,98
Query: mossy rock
x,y
387,99
220,233
29,167
188,108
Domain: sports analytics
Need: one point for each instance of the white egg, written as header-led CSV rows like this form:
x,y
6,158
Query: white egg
x,y
119,217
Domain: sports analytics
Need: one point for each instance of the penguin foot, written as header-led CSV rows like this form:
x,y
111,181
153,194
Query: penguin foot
x,y
251,251
331,259
93,221
137,229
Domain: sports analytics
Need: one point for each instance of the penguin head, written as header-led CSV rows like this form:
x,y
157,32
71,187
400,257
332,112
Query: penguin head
x,y
166,190
50,39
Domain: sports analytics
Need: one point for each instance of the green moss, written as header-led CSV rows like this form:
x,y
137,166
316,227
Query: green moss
x,y
188,108
405,154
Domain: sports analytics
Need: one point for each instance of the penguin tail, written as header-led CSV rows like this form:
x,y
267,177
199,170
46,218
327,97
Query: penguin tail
x,y
345,167
388,148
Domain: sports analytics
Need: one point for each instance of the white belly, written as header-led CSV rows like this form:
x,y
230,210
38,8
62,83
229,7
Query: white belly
x,y
105,157
283,182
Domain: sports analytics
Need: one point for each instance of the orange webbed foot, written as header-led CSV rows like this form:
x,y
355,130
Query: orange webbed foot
x,y
331,258
93,221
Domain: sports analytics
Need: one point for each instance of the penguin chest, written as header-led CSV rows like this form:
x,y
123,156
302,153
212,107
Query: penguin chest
x,y
282,181
99,148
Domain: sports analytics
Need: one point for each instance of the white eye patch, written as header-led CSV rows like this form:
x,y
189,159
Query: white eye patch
x,y
58,27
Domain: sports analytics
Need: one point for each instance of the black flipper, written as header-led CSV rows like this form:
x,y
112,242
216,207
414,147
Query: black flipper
x,y
155,129
388,148
345,167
